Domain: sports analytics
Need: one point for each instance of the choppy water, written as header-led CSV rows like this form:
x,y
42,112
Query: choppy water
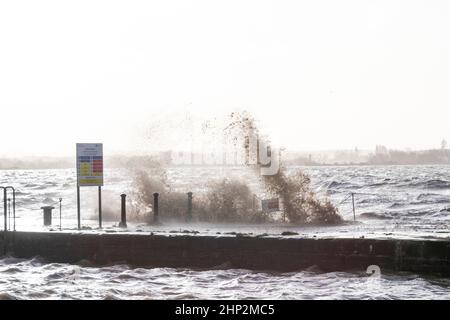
x,y
395,201
35,279
408,201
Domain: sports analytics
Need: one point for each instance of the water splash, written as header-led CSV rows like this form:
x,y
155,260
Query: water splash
x,y
300,202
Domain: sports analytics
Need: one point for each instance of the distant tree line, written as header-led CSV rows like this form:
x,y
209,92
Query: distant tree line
x,y
441,156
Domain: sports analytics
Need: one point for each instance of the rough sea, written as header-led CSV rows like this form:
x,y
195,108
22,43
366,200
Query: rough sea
x,y
391,201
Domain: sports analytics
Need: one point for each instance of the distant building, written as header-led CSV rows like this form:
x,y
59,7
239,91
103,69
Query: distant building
x,y
444,144
381,150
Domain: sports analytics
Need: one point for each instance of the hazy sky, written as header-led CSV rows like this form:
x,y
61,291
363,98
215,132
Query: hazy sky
x,y
317,74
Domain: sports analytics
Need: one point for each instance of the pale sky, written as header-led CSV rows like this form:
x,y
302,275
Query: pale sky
x,y
319,75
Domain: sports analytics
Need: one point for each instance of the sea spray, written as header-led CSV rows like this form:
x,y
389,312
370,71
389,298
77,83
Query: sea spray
x,y
225,200
231,200
300,203
150,177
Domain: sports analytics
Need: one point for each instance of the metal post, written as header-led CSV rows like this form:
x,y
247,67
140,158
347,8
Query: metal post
x,y
9,214
123,222
247,151
354,210
100,207
14,209
5,209
254,203
156,207
60,213
78,208
189,212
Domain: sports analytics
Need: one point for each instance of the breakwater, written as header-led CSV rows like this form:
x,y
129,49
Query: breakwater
x,y
255,253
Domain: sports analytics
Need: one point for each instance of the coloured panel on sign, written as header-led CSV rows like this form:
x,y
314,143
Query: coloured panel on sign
x,y
89,164
270,205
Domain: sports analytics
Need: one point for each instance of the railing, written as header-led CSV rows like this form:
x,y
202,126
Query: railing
x,y
7,208
352,195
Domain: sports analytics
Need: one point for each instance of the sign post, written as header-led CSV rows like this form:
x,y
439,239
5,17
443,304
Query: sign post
x,y
90,173
100,207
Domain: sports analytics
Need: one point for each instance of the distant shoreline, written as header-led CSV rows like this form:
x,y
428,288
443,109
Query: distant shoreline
x,y
386,158
46,167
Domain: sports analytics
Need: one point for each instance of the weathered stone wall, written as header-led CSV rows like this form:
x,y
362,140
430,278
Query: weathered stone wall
x,y
278,254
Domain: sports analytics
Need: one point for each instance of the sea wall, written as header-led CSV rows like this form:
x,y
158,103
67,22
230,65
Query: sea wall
x,y
277,254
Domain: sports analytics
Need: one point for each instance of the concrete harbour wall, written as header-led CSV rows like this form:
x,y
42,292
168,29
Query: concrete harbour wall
x,y
277,254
